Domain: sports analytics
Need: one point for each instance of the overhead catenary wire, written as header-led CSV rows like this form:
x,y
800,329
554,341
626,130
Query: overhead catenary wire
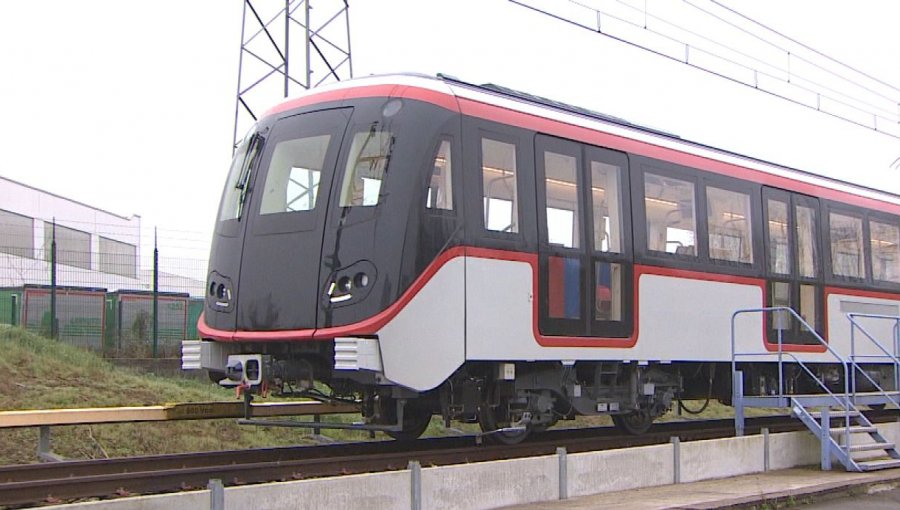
x,y
877,117
791,75
794,41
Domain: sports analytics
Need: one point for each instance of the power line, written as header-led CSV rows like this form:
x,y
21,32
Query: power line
x,y
878,118
814,87
804,46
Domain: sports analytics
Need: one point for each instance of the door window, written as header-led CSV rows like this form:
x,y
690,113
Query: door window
x,y
563,210
583,285
794,266
779,249
607,206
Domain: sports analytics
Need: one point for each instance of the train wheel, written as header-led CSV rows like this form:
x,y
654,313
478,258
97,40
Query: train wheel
x,y
492,417
415,421
635,422
490,426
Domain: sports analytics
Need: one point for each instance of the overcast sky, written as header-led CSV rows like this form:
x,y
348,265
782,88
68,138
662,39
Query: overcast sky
x,y
128,106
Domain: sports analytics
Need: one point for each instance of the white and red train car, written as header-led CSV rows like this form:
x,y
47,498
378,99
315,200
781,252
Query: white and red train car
x,y
427,246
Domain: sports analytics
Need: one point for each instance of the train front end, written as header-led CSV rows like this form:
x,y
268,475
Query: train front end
x,y
335,205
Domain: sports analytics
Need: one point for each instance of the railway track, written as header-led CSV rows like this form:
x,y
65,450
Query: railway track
x,y
72,480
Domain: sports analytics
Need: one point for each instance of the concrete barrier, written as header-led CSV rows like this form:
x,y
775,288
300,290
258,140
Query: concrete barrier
x,y
617,470
722,458
791,449
491,484
510,482
378,490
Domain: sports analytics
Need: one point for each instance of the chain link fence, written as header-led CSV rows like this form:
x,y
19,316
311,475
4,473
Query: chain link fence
x,y
111,288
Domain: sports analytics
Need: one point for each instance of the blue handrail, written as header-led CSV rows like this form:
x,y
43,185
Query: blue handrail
x,y
845,404
854,325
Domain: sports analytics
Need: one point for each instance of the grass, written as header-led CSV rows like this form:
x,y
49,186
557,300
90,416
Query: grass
x,y
45,374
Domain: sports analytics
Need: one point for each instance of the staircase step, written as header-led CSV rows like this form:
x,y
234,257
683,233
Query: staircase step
x,y
836,414
874,465
871,446
854,429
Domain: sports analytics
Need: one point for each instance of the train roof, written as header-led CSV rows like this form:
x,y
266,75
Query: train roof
x,y
507,98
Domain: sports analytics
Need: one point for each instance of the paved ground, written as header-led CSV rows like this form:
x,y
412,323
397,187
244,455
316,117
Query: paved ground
x,y
774,489
880,500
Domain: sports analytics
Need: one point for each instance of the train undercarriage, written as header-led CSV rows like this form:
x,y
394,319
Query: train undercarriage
x,y
508,400
511,400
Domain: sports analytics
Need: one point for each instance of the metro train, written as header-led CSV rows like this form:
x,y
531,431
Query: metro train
x,y
425,246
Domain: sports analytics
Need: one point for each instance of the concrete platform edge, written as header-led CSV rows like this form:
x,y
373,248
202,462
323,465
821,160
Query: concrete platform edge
x,y
820,492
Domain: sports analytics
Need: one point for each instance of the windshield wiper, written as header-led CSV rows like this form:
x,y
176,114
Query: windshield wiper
x,y
244,179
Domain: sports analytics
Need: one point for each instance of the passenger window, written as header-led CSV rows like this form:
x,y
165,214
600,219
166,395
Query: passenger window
x,y
292,180
440,189
561,178
498,167
807,253
564,288
885,251
779,250
607,200
728,215
847,255
671,215
808,309
367,165
608,290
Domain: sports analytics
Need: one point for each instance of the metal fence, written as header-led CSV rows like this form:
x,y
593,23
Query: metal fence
x,y
109,288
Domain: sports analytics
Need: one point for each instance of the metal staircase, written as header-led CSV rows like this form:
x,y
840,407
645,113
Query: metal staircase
x,y
844,432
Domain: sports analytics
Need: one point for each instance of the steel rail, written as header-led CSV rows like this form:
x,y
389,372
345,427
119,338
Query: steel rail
x,y
54,482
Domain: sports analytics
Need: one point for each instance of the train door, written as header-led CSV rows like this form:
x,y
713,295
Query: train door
x,y
793,264
584,255
287,218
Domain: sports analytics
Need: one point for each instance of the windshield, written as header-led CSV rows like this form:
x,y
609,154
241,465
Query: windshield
x,y
238,177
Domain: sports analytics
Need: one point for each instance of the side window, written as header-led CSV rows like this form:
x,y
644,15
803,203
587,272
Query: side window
x,y
671,215
498,167
292,180
728,216
563,209
885,251
440,189
367,164
847,252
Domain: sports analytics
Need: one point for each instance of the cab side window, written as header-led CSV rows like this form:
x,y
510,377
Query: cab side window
x,y
440,189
